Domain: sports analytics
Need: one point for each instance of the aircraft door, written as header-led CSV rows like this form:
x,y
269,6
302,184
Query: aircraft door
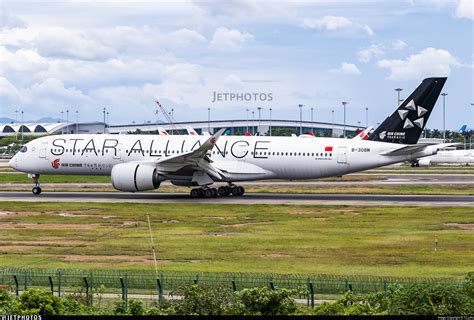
x,y
43,150
342,155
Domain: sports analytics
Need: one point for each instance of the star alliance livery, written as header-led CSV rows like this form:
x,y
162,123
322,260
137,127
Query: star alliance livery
x,y
142,162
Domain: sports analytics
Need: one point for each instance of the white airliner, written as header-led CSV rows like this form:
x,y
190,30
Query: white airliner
x,y
459,157
142,162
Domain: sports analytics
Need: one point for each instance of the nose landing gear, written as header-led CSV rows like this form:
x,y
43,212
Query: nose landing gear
x,y
36,189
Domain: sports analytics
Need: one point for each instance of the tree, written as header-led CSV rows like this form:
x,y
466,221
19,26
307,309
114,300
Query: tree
x,y
283,131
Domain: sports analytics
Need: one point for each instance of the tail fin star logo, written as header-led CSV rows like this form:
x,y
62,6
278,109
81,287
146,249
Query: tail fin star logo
x,y
55,164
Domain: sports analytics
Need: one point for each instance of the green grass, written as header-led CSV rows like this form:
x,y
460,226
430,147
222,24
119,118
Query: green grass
x,y
322,189
23,178
341,240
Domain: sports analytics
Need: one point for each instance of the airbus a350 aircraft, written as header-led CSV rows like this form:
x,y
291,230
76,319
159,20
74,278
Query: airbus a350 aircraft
x,y
142,162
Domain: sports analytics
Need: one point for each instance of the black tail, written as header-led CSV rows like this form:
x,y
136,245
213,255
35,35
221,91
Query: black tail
x,y
406,124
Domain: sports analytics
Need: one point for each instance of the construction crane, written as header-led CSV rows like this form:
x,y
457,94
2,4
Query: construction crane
x,y
168,117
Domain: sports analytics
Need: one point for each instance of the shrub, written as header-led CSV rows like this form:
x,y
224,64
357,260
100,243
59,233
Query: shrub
x,y
203,300
38,301
135,307
264,301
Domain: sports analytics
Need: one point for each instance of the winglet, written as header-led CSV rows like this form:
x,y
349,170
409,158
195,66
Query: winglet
x,y
209,144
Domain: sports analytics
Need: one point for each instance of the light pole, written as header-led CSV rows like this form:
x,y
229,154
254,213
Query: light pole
x,y
344,103
301,118
332,111
366,117
108,116
16,122
312,123
253,123
247,122
398,95
258,128
77,122
67,121
270,122
209,120
103,111
444,94
62,120
21,128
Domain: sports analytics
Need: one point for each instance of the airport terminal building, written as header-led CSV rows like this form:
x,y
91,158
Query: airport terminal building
x,y
234,127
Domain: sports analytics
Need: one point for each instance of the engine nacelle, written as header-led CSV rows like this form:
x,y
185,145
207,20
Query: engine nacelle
x,y
424,162
135,177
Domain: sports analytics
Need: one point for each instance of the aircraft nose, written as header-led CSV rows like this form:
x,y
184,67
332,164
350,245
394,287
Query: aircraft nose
x,y
13,162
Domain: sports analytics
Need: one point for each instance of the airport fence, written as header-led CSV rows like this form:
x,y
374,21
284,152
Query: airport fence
x,y
164,284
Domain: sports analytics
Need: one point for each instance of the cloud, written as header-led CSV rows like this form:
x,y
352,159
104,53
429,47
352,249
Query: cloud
x,y
335,23
186,37
9,94
233,81
229,39
61,42
465,9
429,62
7,20
365,55
347,68
398,45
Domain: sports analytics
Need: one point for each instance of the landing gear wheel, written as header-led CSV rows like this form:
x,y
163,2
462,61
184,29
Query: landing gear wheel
x,y
209,193
241,191
223,191
196,193
36,189
235,191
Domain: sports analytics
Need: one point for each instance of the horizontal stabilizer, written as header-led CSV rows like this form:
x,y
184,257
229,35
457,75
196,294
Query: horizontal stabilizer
x,y
415,148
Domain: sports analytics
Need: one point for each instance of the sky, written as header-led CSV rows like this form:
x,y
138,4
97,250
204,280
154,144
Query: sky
x,y
123,55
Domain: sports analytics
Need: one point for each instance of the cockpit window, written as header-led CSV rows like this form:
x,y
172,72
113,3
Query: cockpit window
x,y
23,149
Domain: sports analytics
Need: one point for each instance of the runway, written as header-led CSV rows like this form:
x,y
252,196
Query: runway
x,y
247,199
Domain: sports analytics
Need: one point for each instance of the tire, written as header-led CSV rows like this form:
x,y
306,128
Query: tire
x,y
235,191
214,191
241,191
209,193
36,190
222,191
196,193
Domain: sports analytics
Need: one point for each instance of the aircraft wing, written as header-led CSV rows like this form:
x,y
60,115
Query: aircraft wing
x,y
197,159
415,148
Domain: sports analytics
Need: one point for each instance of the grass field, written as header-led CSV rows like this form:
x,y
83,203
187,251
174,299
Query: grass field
x,y
343,240
397,189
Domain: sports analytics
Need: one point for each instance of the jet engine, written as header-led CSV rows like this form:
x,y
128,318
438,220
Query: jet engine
x,y
424,162
135,177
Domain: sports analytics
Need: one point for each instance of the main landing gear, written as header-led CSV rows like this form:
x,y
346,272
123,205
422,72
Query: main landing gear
x,y
223,191
36,189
